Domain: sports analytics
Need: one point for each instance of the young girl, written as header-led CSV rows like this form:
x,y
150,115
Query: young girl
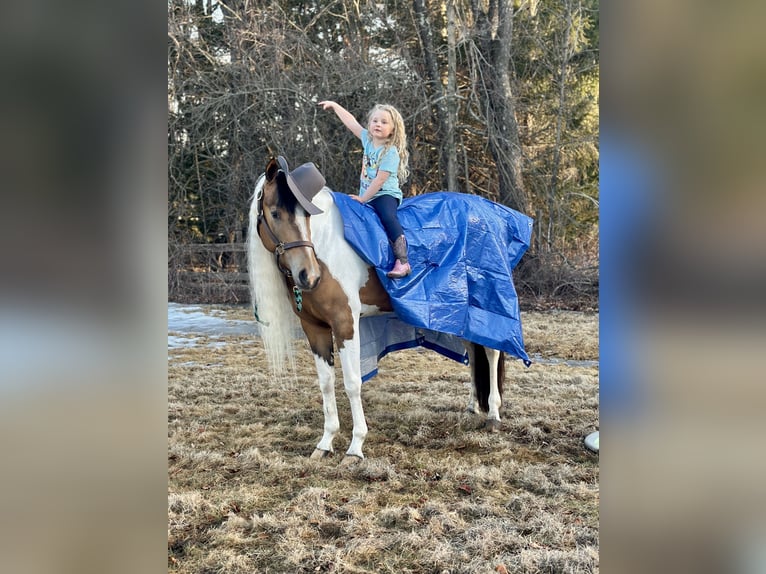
x,y
384,165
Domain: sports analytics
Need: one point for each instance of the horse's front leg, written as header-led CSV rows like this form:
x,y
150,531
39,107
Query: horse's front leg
x,y
352,381
320,341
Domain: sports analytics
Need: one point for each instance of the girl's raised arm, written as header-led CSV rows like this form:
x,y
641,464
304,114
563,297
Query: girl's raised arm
x,y
345,116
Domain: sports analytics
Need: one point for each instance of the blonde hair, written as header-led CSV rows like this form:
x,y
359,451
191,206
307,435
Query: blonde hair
x,y
398,138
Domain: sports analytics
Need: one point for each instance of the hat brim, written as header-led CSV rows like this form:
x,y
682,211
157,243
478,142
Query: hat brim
x,y
309,207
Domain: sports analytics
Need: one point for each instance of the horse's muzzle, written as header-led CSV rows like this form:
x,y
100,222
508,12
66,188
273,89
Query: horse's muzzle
x,y
306,281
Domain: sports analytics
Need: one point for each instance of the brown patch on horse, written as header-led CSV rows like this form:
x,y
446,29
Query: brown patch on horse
x,y
271,169
281,230
326,306
265,238
319,336
373,292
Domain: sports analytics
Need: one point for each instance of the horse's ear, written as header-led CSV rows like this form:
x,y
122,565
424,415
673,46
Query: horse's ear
x,y
271,169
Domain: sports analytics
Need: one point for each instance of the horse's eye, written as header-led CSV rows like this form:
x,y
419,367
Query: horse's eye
x,y
274,214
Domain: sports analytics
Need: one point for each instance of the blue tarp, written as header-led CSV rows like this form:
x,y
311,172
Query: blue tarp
x,y
380,335
462,249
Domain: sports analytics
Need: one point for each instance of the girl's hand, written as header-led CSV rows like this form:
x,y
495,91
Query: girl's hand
x,y
357,198
345,116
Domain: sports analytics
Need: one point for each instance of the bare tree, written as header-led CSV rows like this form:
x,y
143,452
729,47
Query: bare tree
x,y
442,97
493,98
493,34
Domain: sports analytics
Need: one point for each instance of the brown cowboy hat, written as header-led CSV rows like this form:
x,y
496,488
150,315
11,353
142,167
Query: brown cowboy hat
x,y
304,181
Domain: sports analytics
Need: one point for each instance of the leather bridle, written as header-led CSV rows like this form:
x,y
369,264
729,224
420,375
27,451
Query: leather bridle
x,y
280,246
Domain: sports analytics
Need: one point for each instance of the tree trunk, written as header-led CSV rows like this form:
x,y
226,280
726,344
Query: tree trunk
x,y
443,99
451,151
566,55
494,31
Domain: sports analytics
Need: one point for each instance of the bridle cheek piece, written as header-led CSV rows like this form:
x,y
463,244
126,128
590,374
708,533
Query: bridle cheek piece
x,y
281,246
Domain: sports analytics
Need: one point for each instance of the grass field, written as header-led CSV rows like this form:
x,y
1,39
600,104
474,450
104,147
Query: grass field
x,y
435,493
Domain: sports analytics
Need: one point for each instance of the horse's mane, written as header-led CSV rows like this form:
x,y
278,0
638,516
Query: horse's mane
x,y
270,299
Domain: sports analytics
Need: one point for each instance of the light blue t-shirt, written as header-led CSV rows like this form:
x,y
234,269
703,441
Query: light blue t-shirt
x,y
372,162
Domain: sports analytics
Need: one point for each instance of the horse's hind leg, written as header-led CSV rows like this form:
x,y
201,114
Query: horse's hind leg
x,y
473,403
320,340
487,373
495,400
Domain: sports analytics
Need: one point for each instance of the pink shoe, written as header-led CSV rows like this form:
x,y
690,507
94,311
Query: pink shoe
x,y
400,270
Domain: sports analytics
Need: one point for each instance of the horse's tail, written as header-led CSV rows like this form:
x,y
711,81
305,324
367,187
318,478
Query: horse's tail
x,y
268,295
480,374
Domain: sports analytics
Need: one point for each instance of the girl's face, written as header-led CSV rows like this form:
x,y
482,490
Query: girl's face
x,y
381,125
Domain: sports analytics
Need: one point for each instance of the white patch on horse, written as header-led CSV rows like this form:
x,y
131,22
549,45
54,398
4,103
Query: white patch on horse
x,y
340,258
301,221
326,375
495,402
352,382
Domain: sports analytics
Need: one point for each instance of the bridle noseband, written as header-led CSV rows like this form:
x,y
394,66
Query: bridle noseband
x,y
280,246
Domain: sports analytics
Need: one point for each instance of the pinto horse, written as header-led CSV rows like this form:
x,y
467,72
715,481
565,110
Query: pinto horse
x,y
301,266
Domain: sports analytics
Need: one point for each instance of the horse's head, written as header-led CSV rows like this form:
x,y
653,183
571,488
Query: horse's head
x,y
283,222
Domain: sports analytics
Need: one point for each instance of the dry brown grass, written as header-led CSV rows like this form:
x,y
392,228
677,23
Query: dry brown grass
x,y
436,493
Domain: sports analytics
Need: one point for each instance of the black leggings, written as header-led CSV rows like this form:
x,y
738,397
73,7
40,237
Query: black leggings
x,y
385,206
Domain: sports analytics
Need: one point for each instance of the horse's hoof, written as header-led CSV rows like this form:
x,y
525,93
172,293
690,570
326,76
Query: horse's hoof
x,y
350,460
492,425
319,454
